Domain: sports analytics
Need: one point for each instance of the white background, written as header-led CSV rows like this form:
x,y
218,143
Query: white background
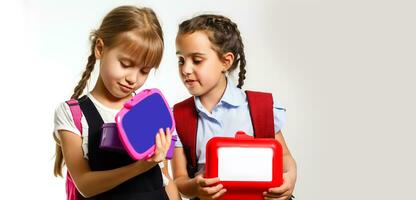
x,y
345,70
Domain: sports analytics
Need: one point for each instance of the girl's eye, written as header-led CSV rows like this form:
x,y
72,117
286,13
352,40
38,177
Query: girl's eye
x,y
125,65
145,71
196,62
180,61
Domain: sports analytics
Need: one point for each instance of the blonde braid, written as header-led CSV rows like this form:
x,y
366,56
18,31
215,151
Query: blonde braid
x,y
87,73
59,161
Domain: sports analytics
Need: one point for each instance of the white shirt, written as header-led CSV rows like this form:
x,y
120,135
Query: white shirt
x,y
230,115
65,121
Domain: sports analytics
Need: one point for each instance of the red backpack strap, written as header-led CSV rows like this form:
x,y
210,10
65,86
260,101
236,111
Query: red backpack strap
x,y
76,113
186,121
261,112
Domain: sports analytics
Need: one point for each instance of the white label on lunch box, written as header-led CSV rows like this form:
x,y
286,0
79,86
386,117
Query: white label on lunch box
x,y
245,164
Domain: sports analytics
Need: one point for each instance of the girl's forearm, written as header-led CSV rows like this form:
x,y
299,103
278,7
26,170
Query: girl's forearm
x,y
289,166
95,182
186,186
172,191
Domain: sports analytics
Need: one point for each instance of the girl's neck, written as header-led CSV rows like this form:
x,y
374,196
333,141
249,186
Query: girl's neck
x,y
102,95
210,99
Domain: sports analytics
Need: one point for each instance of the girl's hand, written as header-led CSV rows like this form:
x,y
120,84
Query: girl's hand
x,y
283,192
163,141
207,192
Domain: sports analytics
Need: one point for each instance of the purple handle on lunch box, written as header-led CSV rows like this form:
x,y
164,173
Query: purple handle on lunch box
x,y
169,155
110,139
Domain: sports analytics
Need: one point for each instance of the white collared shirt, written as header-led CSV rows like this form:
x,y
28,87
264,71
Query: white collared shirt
x,y
230,115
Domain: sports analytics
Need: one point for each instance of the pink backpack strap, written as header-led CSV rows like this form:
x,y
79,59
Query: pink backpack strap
x,y
71,190
76,113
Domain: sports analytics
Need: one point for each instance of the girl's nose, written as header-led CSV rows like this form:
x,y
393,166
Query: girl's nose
x,y
131,78
186,69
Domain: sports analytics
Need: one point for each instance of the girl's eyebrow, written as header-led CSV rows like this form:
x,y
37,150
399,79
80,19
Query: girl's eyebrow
x,y
191,54
146,67
132,63
127,58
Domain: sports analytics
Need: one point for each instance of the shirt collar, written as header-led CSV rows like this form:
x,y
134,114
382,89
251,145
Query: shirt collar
x,y
232,96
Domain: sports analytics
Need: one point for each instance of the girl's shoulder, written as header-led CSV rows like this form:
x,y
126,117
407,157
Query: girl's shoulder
x,y
188,102
277,103
63,119
62,109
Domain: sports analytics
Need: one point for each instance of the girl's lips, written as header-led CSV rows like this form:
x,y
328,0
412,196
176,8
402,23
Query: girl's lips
x,y
125,88
190,82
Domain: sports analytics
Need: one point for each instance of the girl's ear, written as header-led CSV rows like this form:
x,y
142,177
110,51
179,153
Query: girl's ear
x,y
98,49
228,60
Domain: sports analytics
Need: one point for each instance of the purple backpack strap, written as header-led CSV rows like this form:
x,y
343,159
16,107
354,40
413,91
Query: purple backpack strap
x,y
71,190
76,113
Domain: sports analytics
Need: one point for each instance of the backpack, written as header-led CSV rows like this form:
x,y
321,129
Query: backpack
x,y
186,119
71,190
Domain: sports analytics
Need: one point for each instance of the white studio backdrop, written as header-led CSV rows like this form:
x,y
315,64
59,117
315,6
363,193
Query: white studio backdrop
x,y
343,69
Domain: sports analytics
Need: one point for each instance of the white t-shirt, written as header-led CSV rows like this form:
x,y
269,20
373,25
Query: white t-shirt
x,y
65,121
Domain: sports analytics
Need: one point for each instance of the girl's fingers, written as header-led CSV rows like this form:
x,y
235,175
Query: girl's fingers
x,y
168,139
279,190
280,198
203,182
271,196
277,193
219,194
163,140
160,147
168,133
212,190
162,137
158,143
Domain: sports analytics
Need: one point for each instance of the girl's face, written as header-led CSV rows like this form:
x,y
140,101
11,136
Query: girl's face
x,y
121,73
200,68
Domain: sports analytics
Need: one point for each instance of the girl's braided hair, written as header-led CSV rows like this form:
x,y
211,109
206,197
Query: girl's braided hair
x,y
224,35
